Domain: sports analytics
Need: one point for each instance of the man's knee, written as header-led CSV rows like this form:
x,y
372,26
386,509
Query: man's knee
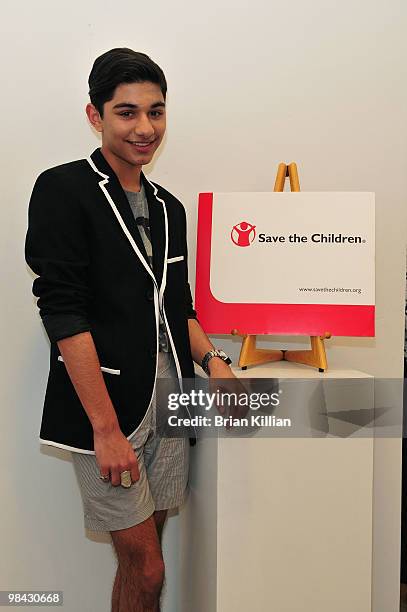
x,y
145,571
152,575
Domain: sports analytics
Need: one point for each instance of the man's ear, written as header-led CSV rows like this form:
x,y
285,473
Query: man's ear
x,y
94,117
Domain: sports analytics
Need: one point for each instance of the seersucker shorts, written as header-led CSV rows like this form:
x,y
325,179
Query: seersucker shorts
x,y
163,466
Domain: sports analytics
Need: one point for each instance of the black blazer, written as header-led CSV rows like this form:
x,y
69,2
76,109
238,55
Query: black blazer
x,y
93,275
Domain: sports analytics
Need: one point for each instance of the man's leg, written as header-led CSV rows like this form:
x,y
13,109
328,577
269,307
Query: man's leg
x,y
160,517
140,568
116,591
167,484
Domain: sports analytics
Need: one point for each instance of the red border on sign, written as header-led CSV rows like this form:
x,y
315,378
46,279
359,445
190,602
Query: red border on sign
x,y
218,317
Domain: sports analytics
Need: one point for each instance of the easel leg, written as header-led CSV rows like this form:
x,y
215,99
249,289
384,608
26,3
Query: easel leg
x,y
250,355
315,357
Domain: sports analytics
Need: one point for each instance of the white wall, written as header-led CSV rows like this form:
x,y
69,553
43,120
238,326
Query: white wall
x,y
251,84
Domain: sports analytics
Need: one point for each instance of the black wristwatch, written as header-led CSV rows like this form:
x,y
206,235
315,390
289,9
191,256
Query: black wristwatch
x,y
214,353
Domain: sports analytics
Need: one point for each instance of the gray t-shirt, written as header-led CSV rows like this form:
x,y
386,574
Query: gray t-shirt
x,y
139,207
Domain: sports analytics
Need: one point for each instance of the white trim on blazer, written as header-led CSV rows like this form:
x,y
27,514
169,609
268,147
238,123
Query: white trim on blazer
x,y
160,306
103,368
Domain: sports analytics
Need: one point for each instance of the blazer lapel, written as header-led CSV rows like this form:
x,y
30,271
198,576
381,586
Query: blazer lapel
x,y
120,199
116,194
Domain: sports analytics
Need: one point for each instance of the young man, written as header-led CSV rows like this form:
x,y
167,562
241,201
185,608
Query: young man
x,y
109,248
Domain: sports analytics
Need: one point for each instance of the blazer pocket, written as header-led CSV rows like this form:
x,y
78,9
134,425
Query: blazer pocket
x,y
174,259
103,368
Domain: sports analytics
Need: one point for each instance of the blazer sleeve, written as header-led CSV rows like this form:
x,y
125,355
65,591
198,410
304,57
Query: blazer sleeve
x,y
56,250
191,313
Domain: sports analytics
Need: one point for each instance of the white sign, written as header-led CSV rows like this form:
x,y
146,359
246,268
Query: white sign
x,y
293,248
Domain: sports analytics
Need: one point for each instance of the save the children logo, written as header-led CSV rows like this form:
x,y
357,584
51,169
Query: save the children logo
x,y
243,234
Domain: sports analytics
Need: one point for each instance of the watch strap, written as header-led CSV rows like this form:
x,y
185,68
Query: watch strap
x,y
214,353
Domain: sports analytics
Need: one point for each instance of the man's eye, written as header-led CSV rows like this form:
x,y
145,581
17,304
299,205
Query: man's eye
x,y
156,113
125,114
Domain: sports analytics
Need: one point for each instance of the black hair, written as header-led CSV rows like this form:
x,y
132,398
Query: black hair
x,y
121,65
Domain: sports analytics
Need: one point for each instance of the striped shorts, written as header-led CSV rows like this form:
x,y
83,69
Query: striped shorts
x,y
163,466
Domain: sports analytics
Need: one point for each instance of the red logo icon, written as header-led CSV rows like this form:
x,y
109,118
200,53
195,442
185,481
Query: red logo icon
x,y
243,234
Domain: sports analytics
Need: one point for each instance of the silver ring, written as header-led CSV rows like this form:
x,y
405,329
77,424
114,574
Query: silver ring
x,y
125,478
105,478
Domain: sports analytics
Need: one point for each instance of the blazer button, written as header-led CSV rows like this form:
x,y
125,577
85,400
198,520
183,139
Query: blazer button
x,y
150,295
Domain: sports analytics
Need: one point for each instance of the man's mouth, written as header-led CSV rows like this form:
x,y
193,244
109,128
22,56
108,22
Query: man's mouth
x,y
140,144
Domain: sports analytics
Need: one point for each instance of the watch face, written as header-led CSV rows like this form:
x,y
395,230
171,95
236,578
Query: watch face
x,y
225,357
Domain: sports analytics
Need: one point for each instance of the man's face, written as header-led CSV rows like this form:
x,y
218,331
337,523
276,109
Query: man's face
x,y
133,123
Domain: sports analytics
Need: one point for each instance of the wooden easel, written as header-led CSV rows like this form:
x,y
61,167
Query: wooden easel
x,y
249,354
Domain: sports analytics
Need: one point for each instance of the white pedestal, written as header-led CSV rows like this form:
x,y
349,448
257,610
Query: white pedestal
x,y
284,524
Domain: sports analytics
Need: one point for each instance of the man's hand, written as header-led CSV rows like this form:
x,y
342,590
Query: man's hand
x,y
114,454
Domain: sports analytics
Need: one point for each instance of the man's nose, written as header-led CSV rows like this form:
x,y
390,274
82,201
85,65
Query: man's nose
x,y
144,127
